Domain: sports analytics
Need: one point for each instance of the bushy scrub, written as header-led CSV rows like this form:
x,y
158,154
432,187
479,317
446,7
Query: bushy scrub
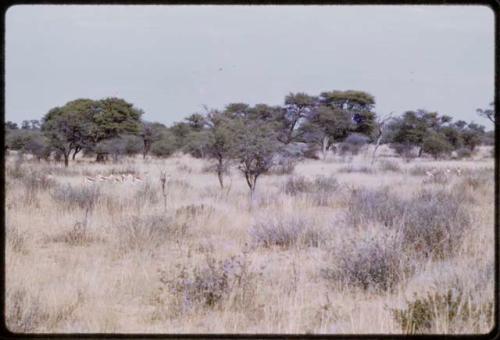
x,y
320,190
144,233
370,264
365,206
435,223
77,197
432,222
207,285
285,232
451,308
386,165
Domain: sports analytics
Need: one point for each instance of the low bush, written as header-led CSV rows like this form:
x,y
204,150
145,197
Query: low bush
x,y
80,197
365,206
79,235
432,221
286,232
435,223
452,307
147,232
284,166
386,165
281,232
208,285
463,153
368,264
296,185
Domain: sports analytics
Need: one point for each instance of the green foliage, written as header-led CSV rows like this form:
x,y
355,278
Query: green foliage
x,y
121,145
255,146
436,145
165,146
83,123
150,133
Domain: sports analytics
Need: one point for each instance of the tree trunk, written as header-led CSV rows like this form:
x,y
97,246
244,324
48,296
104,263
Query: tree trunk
x,y
75,152
324,146
375,150
420,151
220,173
66,159
147,146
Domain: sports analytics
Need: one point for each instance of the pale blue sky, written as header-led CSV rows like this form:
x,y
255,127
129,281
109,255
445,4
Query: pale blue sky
x,y
171,60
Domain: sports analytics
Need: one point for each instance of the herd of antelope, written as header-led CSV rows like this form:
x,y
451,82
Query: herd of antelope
x,y
122,178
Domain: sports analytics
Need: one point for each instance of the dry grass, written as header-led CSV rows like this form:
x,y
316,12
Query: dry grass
x,y
337,247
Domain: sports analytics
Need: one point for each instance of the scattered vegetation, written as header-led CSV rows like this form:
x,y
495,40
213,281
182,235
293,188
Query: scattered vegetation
x,y
423,314
77,197
375,264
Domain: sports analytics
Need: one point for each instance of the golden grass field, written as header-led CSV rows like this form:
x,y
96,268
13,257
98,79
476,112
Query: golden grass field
x,y
333,255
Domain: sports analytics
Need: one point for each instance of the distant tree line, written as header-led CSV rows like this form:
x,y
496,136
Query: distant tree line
x,y
253,137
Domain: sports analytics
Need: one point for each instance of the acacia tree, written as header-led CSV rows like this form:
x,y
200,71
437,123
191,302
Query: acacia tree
x,y
112,118
83,123
488,113
297,108
221,142
67,128
325,125
255,146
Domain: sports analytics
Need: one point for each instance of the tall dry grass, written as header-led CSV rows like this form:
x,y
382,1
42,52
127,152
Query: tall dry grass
x,y
336,246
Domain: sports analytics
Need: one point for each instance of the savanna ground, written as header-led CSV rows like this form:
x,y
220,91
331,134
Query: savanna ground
x,y
337,246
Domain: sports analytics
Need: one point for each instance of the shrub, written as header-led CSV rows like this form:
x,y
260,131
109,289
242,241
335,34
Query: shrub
x,y
81,197
146,233
435,222
163,147
296,185
79,235
386,165
373,205
463,153
368,264
353,144
436,145
210,284
285,232
324,187
283,166
404,150
421,314
432,221
312,152
281,232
